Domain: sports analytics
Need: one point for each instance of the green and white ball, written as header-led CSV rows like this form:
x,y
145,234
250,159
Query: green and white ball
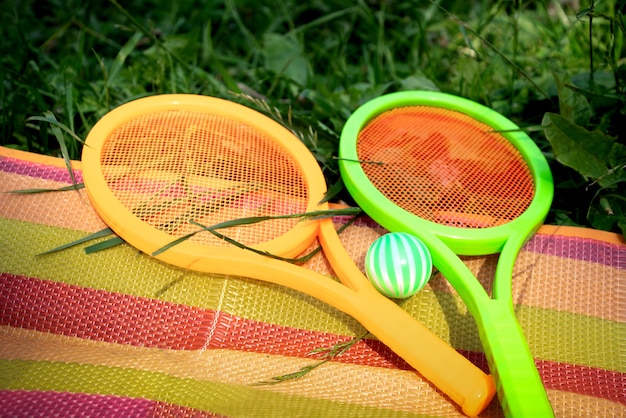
x,y
398,264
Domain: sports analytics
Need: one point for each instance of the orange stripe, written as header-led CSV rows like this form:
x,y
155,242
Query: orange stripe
x,y
66,210
580,232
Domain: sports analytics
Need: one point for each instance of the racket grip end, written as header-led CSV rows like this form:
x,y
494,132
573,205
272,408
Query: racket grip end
x,y
474,404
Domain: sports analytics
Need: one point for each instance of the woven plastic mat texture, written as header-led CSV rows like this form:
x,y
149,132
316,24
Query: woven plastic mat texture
x,y
117,333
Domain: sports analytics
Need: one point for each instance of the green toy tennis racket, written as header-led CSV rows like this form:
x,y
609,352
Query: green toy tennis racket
x,y
467,181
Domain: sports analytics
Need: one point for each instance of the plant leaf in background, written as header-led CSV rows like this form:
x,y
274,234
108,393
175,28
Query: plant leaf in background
x,y
52,120
572,104
284,56
332,191
575,147
597,157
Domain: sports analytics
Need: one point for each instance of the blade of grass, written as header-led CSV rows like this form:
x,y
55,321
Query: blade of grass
x,y
60,189
332,191
69,105
58,134
253,43
302,259
315,215
52,120
105,76
243,246
329,353
102,233
122,55
110,243
323,20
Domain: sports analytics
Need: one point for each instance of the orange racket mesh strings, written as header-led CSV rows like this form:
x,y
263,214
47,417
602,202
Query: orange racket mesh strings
x,y
172,166
445,167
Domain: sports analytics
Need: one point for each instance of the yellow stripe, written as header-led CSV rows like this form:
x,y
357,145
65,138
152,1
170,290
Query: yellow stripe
x,y
123,269
228,400
573,338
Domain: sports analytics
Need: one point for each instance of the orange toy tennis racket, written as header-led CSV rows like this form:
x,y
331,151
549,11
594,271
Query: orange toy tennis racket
x,y
437,166
157,167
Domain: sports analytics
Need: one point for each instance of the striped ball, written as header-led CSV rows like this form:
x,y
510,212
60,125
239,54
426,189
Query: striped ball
x,y
398,264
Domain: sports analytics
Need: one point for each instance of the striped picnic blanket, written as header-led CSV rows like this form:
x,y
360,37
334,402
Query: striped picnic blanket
x,y
117,333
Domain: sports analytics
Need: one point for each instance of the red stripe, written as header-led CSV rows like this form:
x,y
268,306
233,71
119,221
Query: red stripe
x,y
93,314
99,315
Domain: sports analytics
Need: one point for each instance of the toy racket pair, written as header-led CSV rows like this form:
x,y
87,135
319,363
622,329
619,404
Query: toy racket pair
x,y
158,167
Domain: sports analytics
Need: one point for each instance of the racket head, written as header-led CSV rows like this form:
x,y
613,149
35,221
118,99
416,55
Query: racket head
x,y
400,161
152,164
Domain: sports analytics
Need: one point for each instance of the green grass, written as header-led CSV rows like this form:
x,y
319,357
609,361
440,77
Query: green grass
x,y
319,60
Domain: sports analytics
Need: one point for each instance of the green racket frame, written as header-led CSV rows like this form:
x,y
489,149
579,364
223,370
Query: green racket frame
x,y
519,385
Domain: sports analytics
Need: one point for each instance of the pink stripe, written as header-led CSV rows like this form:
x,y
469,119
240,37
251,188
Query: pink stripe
x,y
583,249
42,171
22,403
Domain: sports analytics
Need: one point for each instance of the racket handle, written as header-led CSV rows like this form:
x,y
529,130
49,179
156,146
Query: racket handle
x,y
433,358
518,383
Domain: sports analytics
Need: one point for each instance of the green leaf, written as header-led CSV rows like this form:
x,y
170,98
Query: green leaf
x,y
418,82
57,128
327,354
61,140
120,60
573,104
575,147
284,56
175,242
584,13
622,225
332,191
